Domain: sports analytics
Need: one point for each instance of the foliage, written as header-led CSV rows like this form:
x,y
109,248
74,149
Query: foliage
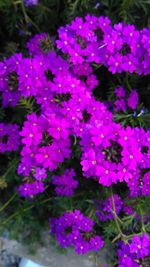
x,y
18,24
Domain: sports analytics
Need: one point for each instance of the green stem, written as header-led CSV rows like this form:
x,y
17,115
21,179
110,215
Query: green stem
x,y
24,12
44,7
13,163
120,233
115,217
8,202
15,214
95,260
119,220
125,238
74,6
26,17
75,140
118,77
17,2
96,67
142,221
127,82
22,211
122,116
116,238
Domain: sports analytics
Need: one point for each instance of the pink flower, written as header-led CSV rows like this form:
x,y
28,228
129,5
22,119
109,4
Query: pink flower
x,y
133,100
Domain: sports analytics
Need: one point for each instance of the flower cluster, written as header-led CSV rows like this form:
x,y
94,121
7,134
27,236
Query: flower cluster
x,y
40,44
135,252
10,70
31,189
9,137
112,153
65,183
105,210
75,229
119,47
123,102
140,185
46,144
71,134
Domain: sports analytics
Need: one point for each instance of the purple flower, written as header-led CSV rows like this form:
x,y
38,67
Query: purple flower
x,y
120,105
40,174
146,184
40,43
120,92
73,228
96,243
137,248
31,189
115,63
10,79
140,246
65,183
105,209
46,143
31,2
133,100
9,137
125,257
69,127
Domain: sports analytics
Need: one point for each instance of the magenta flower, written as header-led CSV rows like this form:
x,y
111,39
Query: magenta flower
x,y
115,64
140,246
133,100
106,175
40,174
30,2
120,92
9,137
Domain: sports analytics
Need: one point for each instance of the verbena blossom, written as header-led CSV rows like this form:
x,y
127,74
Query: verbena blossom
x,y
124,101
9,80
65,183
104,210
46,144
65,109
135,251
31,189
75,229
111,153
30,2
120,105
133,100
146,184
119,47
40,44
120,92
40,174
140,185
9,137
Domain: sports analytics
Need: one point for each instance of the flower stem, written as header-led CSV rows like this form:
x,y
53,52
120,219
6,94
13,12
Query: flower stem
x,y
118,117
127,82
95,260
120,233
27,20
8,202
22,211
13,163
142,221
26,17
